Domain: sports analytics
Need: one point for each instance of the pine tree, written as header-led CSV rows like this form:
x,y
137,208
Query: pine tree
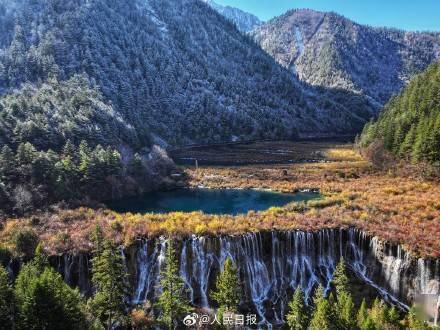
x,y
228,289
340,279
297,318
408,142
68,178
369,324
40,259
6,301
322,314
378,312
26,154
109,279
393,316
84,156
7,163
172,302
345,311
362,314
344,306
69,149
45,301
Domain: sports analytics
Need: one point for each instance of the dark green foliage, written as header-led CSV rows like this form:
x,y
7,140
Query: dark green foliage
x,y
109,279
345,311
25,241
27,116
6,301
5,255
297,317
409,125
76,172
40,260
172,302
340,279
228,289
45,302
344,306
41,161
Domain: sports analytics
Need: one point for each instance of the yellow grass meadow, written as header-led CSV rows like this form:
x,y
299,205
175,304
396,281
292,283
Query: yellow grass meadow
x,y
400,208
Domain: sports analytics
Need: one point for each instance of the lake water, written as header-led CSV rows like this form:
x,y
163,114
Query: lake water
x,y
210,201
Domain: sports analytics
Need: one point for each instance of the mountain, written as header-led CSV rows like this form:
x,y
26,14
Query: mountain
x,y
327,49
244,21
90,88
175,72
409,125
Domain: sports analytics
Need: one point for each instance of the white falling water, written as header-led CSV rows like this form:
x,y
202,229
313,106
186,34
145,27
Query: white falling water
x,y
272,265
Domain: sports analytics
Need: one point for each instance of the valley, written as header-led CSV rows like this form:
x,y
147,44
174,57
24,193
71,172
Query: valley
x,y
165,162
379,222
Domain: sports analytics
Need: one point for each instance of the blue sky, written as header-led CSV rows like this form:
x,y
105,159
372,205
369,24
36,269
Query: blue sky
x,y
403,14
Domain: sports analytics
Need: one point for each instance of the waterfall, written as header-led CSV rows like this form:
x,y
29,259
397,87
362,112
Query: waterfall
x,y
272,265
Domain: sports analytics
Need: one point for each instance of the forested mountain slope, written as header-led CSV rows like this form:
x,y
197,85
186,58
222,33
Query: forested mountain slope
x,y
409,125
171,69
244,21
327,49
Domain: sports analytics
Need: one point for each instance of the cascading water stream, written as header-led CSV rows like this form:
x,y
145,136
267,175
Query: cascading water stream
x,y
272,264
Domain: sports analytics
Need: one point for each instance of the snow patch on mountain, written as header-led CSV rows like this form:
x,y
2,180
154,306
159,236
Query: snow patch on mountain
x,y
329,50
299,42
244,21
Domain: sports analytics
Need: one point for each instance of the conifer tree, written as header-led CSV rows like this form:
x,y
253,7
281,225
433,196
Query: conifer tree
x,y
69,149
6,301
40,259
7,163
228,289
344,306
362,314
297,318
45,301
369,324
84,156
322,314
109,279
340,279
393,316
378,312
172,302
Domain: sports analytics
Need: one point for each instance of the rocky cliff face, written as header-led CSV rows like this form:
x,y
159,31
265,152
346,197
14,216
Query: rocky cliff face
x,y
271,266
244,21
327,49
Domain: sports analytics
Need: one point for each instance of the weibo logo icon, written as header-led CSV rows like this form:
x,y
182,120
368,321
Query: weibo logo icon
x,y
190,319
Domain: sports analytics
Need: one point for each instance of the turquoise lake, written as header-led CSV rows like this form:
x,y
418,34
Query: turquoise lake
x,y
210,201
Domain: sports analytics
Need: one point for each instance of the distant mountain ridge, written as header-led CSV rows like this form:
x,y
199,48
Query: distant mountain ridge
x,y
244,21
327,49
174,71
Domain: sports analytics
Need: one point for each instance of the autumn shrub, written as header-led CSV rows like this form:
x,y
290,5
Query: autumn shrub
x,y
327,202
25,241
378,155
140,319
